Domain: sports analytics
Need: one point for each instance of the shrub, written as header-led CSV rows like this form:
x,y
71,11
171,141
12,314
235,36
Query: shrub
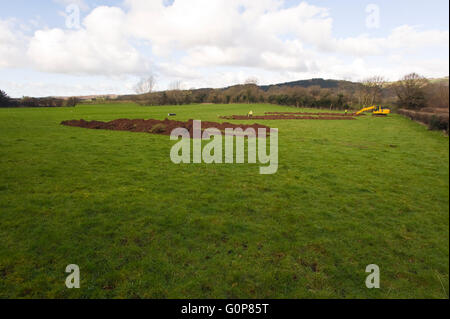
x,y
5,100
438,123
434,110
434,121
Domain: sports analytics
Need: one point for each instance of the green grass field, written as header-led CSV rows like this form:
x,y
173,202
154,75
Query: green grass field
x,y
347,194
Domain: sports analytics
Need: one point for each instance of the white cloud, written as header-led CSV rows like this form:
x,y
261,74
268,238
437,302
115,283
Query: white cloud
x,y
402,38
43,88
12,45
100,47
263,35
410,37
216,33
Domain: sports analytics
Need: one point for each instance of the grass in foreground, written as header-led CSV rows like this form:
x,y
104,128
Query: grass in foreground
x,y
347,194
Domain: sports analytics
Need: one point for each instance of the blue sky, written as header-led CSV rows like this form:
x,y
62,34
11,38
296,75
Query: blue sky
x,y
214,43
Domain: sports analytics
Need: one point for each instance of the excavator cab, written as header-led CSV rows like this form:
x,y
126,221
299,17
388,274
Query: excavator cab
x,y
381,111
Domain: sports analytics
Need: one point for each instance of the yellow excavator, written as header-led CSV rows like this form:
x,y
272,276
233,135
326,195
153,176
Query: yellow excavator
x,y
377,110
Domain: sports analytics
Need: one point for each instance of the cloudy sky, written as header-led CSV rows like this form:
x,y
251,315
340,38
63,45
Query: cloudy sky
x,y
81,47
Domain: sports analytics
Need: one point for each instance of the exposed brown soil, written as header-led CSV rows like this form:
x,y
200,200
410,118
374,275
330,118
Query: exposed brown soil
x,y
320,114
164,127
286,117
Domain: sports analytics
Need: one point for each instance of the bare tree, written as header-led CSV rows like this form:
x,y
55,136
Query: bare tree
x,y
443,93
371,90
251,88
252,81
175,86
175,93
145,85
437,94
410,91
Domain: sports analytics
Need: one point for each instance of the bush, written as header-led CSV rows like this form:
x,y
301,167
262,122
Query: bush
x,y
5,100
434,110
434,121
438,123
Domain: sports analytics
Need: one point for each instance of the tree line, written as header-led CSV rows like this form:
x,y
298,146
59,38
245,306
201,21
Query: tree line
x,y
411,92
6,101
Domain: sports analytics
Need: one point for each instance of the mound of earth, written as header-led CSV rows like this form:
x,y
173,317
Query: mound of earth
x,y
287,117
319,114
164,127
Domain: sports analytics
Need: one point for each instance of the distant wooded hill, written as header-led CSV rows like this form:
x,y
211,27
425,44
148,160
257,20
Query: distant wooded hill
x,y
322,83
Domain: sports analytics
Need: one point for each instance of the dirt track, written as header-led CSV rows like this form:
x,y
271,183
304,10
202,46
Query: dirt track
x,y
164,127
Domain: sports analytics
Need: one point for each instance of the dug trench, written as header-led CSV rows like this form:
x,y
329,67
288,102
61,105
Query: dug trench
x,y
152,126
287,117
319,114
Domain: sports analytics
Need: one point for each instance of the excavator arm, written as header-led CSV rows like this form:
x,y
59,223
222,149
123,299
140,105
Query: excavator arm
x,y
366,109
